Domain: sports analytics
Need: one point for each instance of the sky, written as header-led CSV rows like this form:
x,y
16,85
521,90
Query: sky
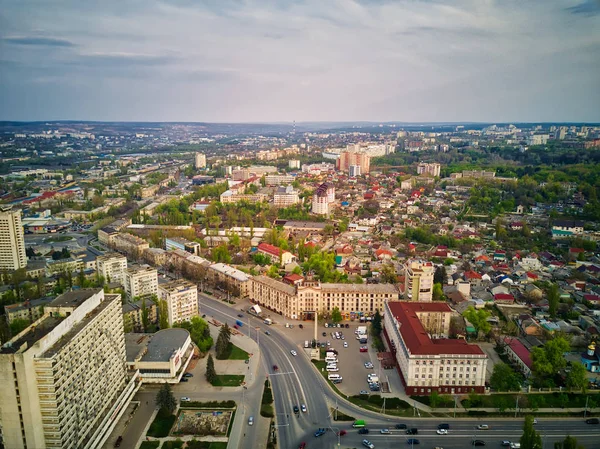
x,y
286,60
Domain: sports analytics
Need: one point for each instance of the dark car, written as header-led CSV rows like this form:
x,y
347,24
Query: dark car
x,y
296,409
188,375
240,315
478,443
118,442
347,326
267,332
444,426
592,421
363,431
300,326
275,367
341,433
324,334
184,379
400,426
319,432
413,441
302,446
413,431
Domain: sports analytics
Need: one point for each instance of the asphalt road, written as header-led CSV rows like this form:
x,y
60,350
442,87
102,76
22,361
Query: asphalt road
x,y
296,382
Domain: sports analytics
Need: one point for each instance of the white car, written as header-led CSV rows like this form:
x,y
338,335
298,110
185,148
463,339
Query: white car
x,y
442,431
185,399
345,344
294,353
367,443
368,365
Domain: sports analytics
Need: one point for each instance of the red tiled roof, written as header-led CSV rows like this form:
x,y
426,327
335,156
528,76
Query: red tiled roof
x,y
503,297
532,275
293,277
416,338
520,350
472,275
268,248
576,250
591,297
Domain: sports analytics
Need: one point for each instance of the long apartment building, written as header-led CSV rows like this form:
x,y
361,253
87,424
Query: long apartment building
x,y
418,283
181,297
112,267
307,298
428,361
232,278
130,244
64,378
12,240
141,281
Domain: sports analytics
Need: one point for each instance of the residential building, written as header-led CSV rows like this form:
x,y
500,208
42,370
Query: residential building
x,y
285,196
277,255
518,353
27,310
200,160
64,378
149,191
172,243
181,297
277,180
12,240
69,264
129,244
354,171
418,284
566,228
133,314
429,169
429,364
317,169
294,164
141,281
112,267
348,158
232,278
106,235
322,197
230,197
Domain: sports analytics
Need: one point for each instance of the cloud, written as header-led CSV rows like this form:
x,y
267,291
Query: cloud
x,y
587,8
39,41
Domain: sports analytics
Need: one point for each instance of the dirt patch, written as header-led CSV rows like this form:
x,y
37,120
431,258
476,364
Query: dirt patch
x,y
202,422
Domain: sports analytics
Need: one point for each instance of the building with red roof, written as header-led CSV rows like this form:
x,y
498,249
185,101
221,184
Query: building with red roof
x,y
519,354
504,298
426,360
276,254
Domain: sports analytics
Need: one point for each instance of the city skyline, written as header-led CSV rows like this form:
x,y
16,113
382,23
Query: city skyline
x,y
229,61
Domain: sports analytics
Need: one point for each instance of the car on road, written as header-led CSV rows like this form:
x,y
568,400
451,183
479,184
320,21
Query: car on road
x,y
412,431
535,420
275,367
341,433
294,353
345,344
302,445
413,441
303,408
267,332
240,315
364,349
118,442
367,443
251,421
296,409
368,365
385,431
363,431
319,432
478,443
442,432
505,443
592,421
300,326
515,445
364,392
188,375
444,426
185,399
483,427
400,426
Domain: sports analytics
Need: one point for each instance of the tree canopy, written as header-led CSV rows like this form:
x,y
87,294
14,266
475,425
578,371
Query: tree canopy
x,y
478,318
165,399
530,438
548,360
504,378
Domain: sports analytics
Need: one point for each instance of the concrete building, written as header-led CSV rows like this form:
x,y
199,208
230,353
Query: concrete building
x,y
418,280
429,169
141,281
162,357
172,243
69,264
27,310
354,171
232,278
64,378
348,158
230,196
276,254
428,361
277,180
294,164
182,300
112,267
133,314
200,160
323,196
129,244
285,196
12,240
106,235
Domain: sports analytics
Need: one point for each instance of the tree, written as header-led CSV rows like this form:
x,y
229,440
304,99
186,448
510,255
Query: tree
x,y
336,315
438,293
577,377
568,443
163,314
434,399
376,326
548,360
127,323
18,325
221,254
199,332
553,300
478,318
273,272
222,347
165,399
145,318
440,276
504,378
388,274
530,438
211,374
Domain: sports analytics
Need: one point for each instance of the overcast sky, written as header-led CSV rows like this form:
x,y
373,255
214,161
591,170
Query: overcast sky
x,y
284,60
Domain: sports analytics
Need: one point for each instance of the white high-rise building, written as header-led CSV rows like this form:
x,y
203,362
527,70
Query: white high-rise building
x,y
354,171
200,160
112,267
418,280
182,300
12,241
141,281
64,378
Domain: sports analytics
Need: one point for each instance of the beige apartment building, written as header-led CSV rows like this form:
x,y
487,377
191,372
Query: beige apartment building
x,y
64,378
141,281
28,310
219,273
181,297
112,267
285,196
130,244
418,284
133,314
12,240
310,297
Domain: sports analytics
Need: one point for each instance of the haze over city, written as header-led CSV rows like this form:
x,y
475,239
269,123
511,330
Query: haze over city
x,y
261,61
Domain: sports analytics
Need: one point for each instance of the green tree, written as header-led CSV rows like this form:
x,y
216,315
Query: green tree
x,y
376,326
273,272
221,254
553,300
568,443
478,318
222,347
530,438
211,374
163,314
127,323
440,276
434,399
577,377
548,360
165,399
199,332
145,317
18,325
336,315
388,274
438,293
504,378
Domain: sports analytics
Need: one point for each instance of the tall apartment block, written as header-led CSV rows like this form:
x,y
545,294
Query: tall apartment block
x,y
12,240
419,281
200,160
64,378
112,267
182,300
141,281
348,158
429,169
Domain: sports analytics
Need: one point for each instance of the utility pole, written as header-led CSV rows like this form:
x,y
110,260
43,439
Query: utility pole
x,y
586,404
316,324
455,397
517,407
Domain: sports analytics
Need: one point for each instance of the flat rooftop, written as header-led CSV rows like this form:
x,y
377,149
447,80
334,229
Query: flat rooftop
x,y
159,346
34,333
74,298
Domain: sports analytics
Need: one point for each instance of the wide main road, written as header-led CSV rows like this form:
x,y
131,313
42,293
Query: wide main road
x,y
296,382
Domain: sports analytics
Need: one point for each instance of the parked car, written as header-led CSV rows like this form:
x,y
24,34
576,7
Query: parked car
x,y
324,334
363,431
184,379
188,375
345,344
240,315
185,399
364,392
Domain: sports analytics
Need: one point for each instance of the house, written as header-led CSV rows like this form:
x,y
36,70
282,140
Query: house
x,y
533,292
504,298
566,228
530,327
472,277
519,355
277,255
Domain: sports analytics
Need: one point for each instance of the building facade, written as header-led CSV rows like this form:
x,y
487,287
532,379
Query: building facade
x,y
133,314
29,310
129,244
12,240
354,171
232,278
429,169
181,297
112,267
65,377
200,160
348,158
429,364
276,254
277,180
418,281
141,281
285,196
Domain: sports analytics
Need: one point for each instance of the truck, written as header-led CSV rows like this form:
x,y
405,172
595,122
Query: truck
x,y
239,323
359,423
361,330
268,321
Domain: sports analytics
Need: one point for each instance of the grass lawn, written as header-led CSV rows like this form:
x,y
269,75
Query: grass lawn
x,y
58,238
149,444
236,353
228,380
161,425
177,444
194,444
536,400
